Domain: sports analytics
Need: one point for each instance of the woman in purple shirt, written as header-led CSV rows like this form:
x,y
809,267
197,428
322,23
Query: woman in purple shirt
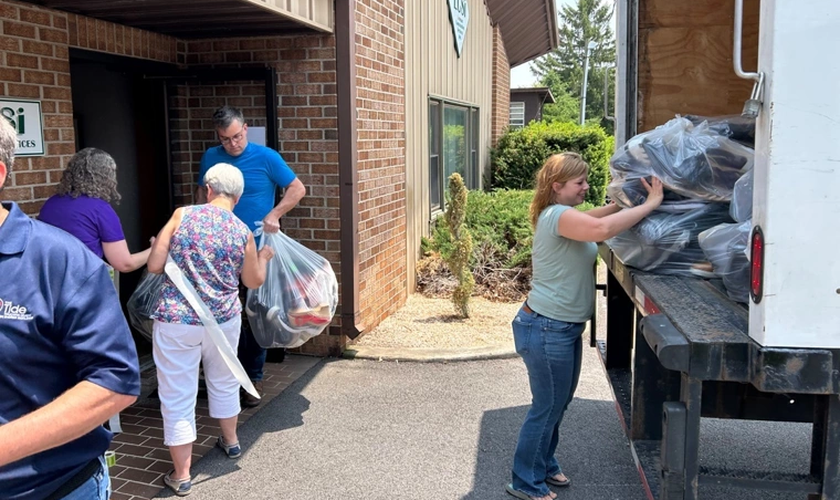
x,y
81,207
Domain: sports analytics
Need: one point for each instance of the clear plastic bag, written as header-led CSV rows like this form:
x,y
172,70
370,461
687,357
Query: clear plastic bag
x,y
143,303
693,161
725,246
665,242
742,198
297,300
736,127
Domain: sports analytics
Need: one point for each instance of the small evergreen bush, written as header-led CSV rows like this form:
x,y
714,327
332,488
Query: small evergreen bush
x,y
459,258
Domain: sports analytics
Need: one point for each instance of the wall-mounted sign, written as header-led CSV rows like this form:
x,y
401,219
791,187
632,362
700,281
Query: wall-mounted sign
x,y
25,117
459,17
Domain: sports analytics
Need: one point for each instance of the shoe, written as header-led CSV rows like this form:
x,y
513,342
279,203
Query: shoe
x,y
249,401
231,450
550,480
317,316
181,487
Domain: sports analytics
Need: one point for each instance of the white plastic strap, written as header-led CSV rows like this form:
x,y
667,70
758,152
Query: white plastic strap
x,y
213,328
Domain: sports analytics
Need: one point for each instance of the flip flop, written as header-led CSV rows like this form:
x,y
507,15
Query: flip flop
x,y
521,495
550,480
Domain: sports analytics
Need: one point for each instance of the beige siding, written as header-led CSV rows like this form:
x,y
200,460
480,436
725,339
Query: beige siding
x,y
317,14
433,68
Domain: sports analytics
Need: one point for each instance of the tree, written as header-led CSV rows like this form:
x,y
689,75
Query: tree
x,y
562,69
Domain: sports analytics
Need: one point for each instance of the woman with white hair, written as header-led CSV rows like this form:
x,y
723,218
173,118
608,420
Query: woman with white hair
x,y
213,248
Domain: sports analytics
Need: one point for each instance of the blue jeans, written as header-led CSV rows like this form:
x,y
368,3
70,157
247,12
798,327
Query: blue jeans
x,y
551,351
98,487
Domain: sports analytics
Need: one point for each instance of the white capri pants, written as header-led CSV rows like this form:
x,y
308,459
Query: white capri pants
x,y
178,349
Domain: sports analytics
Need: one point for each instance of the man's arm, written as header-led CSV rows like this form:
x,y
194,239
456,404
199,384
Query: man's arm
x,y
72,415
294,193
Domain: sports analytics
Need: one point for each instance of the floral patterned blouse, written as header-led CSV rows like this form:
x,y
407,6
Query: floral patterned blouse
x,y
209,247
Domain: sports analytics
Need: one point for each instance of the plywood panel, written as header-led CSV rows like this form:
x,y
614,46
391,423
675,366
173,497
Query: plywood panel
x,y
685,59
668,13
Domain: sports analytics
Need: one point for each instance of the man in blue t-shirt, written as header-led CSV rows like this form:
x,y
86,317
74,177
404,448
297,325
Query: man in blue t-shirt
x,y
67,359
264,171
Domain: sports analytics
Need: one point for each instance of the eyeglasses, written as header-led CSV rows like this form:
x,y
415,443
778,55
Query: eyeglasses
x,y
235,139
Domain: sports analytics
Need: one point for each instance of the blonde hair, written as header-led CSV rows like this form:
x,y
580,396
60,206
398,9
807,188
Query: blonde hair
x,y
561,167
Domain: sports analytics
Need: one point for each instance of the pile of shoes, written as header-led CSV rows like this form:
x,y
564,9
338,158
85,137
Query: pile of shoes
x,y
705,165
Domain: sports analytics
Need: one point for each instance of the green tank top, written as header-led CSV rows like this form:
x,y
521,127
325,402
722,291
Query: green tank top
x,y
563,285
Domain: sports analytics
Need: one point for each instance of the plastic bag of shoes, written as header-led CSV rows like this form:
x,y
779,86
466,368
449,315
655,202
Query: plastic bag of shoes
x,y
725,246
297,300
694,161
143,302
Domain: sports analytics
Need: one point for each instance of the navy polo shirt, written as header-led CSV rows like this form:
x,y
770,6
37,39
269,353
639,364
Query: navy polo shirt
x,y
60,324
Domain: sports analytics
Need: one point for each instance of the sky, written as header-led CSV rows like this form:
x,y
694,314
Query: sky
x,y
521,75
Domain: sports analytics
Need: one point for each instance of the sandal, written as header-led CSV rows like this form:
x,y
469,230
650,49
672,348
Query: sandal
x,y
554,482
521,495
181,487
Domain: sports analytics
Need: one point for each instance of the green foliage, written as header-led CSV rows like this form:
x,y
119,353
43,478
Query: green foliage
x,y
566,106
521,152
498,222
503,238
459,258
562,69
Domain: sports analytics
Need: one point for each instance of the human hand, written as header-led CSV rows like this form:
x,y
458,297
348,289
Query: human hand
x,y
266,253
271,224
152,241
655,192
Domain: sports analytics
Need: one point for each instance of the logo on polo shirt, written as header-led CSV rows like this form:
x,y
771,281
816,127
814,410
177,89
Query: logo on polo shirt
x,y
9,310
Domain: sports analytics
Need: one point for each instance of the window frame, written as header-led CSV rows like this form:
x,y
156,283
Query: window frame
x,y
472,136
519,123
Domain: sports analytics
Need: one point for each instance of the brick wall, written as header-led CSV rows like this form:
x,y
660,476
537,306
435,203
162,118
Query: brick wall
x,y
35,64
501,88
380,79
308,136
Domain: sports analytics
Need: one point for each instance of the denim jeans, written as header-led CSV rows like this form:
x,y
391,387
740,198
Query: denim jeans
x,y
98,487
551,351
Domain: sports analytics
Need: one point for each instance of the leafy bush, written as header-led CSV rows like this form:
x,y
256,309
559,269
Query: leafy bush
x,y
502,239
521,152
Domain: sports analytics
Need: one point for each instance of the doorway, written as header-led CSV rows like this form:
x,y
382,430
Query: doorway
x,y
119,111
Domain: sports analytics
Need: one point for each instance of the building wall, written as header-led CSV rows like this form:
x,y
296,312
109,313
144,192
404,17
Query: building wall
x,y
35,64
433,68
381,127
501,89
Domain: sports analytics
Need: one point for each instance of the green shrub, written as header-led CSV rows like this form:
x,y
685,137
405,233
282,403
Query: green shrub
x,y
521,152
459,258
502,239
497,220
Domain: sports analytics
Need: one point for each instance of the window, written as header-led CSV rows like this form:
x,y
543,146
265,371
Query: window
x,y
517,114
454,136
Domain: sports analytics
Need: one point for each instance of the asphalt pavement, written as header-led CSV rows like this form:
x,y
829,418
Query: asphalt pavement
x,y
354,429
361,429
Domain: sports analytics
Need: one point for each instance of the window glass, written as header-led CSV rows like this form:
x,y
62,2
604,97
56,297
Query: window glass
x,y
454,142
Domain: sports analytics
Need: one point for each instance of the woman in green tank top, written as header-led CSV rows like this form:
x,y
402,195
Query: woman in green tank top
x,y
547,329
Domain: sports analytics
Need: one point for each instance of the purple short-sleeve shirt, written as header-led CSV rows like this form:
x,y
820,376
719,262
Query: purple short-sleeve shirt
x,y
91,220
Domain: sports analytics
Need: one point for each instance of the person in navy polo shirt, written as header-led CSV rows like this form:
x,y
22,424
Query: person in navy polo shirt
x,y
264,171
67,359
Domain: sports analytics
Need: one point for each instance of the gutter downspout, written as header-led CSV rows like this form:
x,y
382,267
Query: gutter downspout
x,y
348,178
